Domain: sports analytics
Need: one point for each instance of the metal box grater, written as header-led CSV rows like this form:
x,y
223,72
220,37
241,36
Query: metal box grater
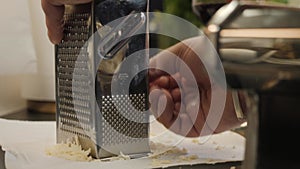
x,y
106,121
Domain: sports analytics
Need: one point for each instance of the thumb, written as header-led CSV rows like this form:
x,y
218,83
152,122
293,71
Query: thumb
x,y
162,106
54,20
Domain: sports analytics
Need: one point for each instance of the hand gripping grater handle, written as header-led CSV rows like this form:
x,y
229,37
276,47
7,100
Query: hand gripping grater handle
x,y
86,107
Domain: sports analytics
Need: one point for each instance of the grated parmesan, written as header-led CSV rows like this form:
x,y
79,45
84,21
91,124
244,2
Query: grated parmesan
x,y
195,141
71,150
121,156
160,153
164,154
188,158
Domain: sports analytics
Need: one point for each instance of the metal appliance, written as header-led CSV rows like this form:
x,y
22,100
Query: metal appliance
x,y
259,44
99,38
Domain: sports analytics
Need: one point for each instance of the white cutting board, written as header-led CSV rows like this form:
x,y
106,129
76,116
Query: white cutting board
x,y
25,143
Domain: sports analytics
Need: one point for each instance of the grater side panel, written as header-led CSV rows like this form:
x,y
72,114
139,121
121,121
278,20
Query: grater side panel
x,y
121,126
73,79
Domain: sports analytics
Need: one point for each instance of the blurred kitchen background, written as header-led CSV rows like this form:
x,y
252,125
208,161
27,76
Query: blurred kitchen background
x,y
27,59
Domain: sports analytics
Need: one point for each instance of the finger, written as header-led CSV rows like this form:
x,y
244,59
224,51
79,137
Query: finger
x,y
193,110
176,95
154,95
152,75
187,127
183,126
196,114
174,83
165,109
54,21
186,124
177,107
163,82
192,103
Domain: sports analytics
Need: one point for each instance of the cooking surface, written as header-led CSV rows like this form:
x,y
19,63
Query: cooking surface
x,y
25,115
31,116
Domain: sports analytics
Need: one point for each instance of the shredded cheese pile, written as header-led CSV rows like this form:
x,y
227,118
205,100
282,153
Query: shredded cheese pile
x,y
159,149
71,150
164,154
160,153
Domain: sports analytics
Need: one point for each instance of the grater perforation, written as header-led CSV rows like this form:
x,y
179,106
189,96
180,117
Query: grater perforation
x,y
68,55
111,105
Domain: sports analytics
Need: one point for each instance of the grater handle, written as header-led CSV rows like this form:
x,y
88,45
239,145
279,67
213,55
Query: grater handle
x,y
119,36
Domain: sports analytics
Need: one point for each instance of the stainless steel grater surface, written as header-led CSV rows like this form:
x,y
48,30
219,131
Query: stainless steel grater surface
x,y
106,122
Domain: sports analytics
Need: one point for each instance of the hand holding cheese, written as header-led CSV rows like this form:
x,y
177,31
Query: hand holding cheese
x,y
168,99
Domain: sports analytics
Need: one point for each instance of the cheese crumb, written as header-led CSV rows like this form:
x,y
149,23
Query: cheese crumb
x,y
219,147
121,156
161,154
157,162
165,154
188,158
159,149
196,141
